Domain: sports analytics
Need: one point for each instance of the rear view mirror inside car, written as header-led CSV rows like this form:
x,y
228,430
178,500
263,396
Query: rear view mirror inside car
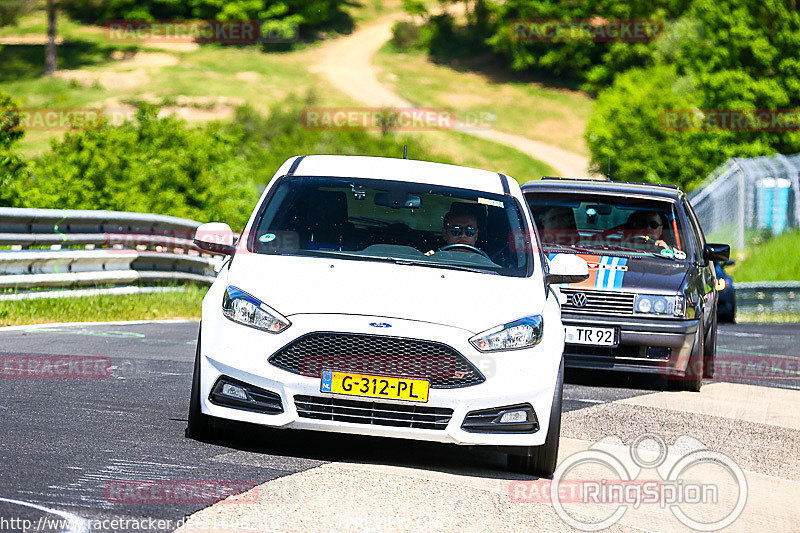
x,y
398,200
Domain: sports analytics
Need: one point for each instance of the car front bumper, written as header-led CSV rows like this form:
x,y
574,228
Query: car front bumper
x,y
645,345
513,377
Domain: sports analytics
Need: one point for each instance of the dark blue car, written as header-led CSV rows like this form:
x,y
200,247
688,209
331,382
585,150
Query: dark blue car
x,y
726,297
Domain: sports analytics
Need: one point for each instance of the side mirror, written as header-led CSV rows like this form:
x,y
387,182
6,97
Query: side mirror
x,y
215,237
567,268
729,262
717,252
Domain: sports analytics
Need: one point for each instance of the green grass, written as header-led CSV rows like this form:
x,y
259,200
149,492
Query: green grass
x,y
463,149
104,308
783,318
522,106
775,259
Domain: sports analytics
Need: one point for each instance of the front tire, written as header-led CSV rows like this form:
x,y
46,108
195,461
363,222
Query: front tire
x,y
693,379
710,349
541,460
200,425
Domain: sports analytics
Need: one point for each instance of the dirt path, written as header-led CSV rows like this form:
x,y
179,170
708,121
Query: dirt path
x,y
347,64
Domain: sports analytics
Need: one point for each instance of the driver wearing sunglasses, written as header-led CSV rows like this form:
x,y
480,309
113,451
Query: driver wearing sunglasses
x,y
460,227
649,225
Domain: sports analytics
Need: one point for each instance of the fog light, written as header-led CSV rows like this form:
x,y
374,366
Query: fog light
x,y
234,392
514,417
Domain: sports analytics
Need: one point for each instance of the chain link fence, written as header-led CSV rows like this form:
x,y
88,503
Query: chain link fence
x,y
744,198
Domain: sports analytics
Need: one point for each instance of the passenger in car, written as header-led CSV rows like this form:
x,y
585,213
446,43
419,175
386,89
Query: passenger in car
x,y
557,225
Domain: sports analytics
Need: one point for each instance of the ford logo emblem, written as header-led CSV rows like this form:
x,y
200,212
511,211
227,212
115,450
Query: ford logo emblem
x,y
380,325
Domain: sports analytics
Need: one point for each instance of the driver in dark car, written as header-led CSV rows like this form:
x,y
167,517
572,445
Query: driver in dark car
x,y
648,225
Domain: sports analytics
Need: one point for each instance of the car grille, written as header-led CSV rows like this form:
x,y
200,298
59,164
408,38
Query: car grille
x,y
598,302
380,355
374,413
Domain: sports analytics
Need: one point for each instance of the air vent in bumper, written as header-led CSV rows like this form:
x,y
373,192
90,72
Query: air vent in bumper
x,y
374,413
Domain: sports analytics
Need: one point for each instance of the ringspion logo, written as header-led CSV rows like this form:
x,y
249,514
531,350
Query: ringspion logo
x,y
606,481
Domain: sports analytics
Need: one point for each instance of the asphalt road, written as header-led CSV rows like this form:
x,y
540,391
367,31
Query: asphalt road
x,y
69,445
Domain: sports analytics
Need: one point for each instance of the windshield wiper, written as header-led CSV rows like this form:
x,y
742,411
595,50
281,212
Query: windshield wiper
x,y
399,261
443,265
626,249
570,247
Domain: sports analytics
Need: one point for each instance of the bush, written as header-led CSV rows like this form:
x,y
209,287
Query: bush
x,y
151,165
279,15
711,59
13,168
405,35
163,165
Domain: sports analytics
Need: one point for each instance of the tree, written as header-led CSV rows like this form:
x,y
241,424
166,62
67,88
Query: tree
x,y
737,55
50,53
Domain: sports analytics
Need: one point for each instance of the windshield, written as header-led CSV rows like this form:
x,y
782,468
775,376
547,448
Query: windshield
x,y
601,222
407,223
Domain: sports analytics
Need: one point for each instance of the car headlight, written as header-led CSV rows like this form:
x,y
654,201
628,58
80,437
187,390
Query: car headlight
x,y
654,304
245,309
522,333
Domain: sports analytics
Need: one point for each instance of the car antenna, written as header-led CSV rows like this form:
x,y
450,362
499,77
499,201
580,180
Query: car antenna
x,y
608,175
405,151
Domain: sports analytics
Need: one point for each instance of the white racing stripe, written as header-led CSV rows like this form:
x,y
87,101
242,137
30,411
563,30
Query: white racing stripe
x,y
76,523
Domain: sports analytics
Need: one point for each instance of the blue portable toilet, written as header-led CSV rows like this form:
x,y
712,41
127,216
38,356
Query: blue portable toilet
x,y
772,204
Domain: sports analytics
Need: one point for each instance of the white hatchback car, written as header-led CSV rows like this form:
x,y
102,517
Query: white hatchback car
x,y
387,297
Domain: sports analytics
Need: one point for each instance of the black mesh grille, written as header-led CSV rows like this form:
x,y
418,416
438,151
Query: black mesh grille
x,y
598,302
374,413
441,365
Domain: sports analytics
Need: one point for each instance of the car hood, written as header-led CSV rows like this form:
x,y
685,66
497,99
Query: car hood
x,y
633,274
471,301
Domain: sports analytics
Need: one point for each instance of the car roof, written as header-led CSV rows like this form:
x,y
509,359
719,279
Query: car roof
x,y
603,187
411,170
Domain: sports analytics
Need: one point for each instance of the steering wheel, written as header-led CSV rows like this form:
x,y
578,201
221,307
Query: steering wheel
x,y
467,247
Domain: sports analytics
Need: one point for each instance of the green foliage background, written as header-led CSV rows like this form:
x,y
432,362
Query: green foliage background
x,y
711,55
163,165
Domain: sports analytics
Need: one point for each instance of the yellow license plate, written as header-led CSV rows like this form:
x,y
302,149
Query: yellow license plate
x,y
413,390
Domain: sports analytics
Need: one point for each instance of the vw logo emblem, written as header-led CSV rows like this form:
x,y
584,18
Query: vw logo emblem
x,y
578,299
380,325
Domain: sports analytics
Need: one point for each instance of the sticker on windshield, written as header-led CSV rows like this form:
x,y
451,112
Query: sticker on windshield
x,y
680,254
267,237
493,203
666,252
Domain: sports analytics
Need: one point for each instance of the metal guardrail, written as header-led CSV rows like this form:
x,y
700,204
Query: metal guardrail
x,y
768,296
90,248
